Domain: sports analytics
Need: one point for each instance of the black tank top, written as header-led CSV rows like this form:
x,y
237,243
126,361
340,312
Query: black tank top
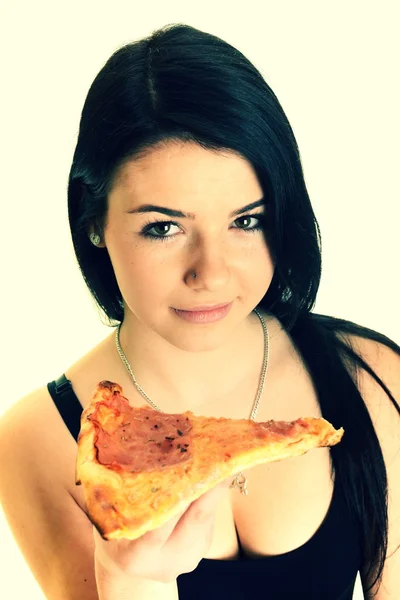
x,y
324,568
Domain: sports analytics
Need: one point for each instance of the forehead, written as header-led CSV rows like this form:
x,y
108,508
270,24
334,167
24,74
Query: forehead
x,y
187,170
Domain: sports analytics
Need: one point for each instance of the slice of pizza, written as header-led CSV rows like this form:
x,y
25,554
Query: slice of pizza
x,y
140,467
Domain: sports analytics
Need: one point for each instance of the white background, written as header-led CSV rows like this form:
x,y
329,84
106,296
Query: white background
x,y
334,68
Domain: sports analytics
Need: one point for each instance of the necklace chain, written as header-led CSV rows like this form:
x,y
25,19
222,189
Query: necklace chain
x,y
262,378
240,481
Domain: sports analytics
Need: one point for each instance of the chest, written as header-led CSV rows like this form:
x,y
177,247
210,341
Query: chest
x,y
287,500
285,506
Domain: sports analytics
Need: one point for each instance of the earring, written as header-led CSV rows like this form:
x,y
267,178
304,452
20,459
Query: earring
x,y
95,239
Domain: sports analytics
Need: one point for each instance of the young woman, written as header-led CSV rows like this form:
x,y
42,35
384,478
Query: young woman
x,y
195,234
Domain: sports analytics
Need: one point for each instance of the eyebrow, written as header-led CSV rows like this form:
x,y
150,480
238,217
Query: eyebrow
x,y
146,208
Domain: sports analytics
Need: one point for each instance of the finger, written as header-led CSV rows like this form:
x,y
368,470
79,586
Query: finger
x,y
199,517
161,534
105,550
207,503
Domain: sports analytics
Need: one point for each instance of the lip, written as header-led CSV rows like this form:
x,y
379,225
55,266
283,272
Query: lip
x,y
210,315
204,307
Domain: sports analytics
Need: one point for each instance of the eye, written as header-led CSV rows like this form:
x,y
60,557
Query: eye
x,y
259,218
161,226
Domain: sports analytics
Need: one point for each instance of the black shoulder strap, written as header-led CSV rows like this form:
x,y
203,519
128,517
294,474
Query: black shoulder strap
x,y
67,404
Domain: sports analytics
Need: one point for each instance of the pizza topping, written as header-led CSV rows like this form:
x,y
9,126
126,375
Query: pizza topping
x,y
284,428
142,442
162,459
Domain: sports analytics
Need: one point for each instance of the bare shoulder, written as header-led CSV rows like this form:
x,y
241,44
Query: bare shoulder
x,y
44,508
386,365
386,420
32,428
384,414
45,520
34,423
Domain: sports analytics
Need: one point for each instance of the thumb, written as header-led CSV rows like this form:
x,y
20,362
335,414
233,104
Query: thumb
x,y
206,505
201,512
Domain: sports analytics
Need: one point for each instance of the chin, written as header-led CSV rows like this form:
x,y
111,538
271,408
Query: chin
x,y
190,337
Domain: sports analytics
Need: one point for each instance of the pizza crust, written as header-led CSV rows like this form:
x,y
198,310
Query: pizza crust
x,y
126,505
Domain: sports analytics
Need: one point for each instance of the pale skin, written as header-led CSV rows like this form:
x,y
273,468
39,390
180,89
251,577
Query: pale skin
x,y
212,370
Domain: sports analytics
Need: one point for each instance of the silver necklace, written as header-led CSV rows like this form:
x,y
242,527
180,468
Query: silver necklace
x,y
240,481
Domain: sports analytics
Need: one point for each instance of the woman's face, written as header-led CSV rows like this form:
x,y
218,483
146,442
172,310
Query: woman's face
x,y
154,254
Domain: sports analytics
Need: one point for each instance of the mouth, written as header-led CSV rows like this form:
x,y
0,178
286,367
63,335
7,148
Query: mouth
x,y
200,315
204,307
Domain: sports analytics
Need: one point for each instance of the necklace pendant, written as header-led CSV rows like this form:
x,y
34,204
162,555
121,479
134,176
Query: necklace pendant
x,y
240,482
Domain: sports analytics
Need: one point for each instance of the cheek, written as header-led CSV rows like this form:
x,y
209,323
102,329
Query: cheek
x,y
268,263
258,267
140,272
260,277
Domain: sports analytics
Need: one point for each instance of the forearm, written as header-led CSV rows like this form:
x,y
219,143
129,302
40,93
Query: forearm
x,y
119,587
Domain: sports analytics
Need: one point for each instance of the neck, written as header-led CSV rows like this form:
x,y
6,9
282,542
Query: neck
x,y
178,380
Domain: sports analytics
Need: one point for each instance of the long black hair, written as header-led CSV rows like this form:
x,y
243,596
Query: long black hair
x,y
182,84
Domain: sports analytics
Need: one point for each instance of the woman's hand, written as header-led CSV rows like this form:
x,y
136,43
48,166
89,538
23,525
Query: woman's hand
x,y
168,551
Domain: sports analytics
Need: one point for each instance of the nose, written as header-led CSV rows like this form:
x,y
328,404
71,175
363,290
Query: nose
x,y
209,262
